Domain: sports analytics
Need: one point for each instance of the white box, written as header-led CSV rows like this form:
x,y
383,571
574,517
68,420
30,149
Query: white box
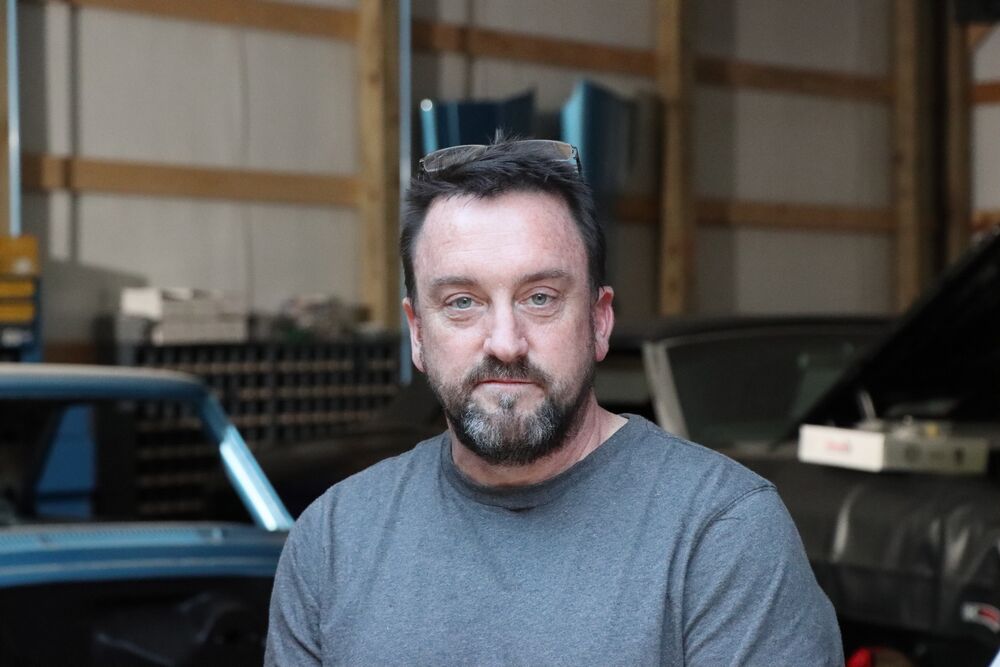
x,y
894,450
164,303
200,330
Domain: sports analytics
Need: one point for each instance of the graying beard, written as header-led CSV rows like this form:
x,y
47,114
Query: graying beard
x,y
531,437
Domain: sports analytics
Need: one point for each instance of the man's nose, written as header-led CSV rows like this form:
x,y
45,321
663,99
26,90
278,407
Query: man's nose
x,y
505,338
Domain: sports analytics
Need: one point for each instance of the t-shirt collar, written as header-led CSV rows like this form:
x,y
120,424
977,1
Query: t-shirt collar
x,y
533,495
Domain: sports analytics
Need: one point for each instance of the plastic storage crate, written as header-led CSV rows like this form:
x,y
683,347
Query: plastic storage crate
x,y
275,393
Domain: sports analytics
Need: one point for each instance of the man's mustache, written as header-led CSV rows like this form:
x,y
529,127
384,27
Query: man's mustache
x,y
492,368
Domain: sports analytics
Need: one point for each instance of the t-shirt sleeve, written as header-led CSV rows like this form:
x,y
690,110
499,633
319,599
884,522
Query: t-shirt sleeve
x,y
293,636
750,597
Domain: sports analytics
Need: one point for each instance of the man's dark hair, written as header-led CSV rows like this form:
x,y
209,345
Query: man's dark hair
x,y
504,166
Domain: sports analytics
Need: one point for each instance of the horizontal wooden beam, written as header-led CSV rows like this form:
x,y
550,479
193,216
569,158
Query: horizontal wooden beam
x,y
637,208
735,213
719,71
985,219
795,216
977,34
987,92
302,19
476,42
434,36
483,43
50,172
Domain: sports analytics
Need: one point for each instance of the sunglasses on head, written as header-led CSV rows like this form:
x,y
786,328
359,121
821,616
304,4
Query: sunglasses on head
x,y
454,156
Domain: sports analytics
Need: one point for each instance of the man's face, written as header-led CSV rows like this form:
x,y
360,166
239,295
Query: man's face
x,y
505,325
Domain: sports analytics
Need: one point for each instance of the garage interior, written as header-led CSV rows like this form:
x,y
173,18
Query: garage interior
x,y
214,186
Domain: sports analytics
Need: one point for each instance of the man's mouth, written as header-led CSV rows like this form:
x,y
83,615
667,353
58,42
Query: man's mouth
x,y
504,382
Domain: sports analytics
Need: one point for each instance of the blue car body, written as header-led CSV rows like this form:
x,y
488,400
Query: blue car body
x,y
88,555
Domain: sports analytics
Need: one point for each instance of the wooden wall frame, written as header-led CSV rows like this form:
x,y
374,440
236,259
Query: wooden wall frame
x,y
675,81
299,18
48,173
379,79
985,92
677,215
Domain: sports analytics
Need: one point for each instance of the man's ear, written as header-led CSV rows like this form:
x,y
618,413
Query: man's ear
x,y
413,322
603,317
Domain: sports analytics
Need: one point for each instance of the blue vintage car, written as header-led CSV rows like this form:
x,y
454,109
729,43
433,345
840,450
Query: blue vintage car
x,y
96,568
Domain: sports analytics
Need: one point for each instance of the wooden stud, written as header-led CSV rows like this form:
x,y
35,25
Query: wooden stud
x,y
910,187
50,173
958,138
675,80
302,19
379,71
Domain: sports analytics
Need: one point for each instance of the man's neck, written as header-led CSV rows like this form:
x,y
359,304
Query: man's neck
x,y
596,425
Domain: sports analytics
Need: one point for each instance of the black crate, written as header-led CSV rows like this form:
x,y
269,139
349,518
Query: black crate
x,y
275,393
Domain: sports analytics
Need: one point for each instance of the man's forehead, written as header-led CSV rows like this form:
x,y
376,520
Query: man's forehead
x,y
529,230
531,212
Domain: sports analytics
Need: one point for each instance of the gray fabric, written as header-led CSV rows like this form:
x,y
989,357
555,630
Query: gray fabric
x,y
651,550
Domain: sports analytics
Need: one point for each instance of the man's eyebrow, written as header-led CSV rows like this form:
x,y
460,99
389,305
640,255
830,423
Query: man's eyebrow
x,y
452,281
551,274
465,281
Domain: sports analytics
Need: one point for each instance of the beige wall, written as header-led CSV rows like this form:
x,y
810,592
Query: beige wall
x,y
133,87
777,147
986,129
128,86
749,144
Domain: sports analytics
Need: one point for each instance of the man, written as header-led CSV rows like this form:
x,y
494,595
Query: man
x,y
540,528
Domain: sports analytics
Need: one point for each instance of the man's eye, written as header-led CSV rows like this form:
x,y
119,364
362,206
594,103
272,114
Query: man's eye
x,y
540,299
461,303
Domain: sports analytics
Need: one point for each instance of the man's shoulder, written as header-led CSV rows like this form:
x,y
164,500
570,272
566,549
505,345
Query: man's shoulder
x,y
381,480
677,467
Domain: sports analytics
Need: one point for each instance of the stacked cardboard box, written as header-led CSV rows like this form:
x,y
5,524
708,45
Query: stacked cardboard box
x,y
19,299
167,316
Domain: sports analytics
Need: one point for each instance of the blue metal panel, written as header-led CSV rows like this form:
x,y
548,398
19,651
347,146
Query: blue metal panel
x,y
598,123
82,382
18,381
447,124
62,553
67,480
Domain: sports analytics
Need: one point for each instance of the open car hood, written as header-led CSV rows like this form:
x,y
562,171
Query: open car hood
x,y
941,359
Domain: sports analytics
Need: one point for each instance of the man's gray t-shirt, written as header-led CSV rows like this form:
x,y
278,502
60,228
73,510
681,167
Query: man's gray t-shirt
x,y
651,550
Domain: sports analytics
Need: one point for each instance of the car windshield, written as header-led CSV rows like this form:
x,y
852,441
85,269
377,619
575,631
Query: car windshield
x,y
109,460
751,387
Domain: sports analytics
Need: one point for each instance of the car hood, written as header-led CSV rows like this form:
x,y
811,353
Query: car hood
x,y
941,359
46,553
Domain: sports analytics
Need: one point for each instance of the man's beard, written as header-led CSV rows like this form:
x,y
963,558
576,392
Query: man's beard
x,y
504,436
